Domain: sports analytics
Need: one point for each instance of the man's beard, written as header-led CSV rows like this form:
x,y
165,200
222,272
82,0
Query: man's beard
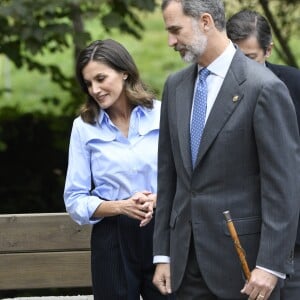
x,y
193,51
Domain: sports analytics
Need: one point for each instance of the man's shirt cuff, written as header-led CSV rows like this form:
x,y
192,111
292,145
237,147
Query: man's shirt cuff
x,y
157,259
278,274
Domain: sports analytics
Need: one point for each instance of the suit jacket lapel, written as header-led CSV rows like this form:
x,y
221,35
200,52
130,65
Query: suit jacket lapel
x,y
184,98
226,102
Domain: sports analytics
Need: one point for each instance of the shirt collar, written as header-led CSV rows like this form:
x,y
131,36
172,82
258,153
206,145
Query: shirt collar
x,y
148,118
222,63
143,118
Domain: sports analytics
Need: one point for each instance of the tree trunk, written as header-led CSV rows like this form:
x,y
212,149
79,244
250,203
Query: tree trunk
x,y
285,52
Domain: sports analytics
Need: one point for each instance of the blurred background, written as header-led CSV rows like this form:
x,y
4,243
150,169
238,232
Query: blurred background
x,y
39,97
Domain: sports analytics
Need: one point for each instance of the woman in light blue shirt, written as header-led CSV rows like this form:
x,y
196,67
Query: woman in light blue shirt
x,y
112,171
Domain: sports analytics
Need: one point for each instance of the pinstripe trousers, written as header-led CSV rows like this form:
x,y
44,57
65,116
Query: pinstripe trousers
x,y
121,260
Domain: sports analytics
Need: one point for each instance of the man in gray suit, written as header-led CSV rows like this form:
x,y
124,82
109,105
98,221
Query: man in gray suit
x,y
248,162
252,33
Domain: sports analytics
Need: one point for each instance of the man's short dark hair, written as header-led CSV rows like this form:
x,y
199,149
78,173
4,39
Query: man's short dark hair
x,y
248,23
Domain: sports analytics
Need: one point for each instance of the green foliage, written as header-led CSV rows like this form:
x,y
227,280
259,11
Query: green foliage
x,y
36,25
33,28
43,37
283,17
34,91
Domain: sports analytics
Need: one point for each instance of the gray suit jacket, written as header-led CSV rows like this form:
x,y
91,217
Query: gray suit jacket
x,y
248,163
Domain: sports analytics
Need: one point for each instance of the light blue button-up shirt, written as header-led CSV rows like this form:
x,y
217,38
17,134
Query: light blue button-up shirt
x,y
104,164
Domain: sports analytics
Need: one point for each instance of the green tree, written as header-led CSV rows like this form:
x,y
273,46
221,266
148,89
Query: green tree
x,y
33,27
283,16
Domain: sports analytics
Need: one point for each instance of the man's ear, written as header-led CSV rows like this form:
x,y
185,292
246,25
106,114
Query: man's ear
x,y
269,50
206,21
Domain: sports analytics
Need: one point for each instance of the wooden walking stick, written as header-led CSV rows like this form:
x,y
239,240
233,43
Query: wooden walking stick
x,y
238,247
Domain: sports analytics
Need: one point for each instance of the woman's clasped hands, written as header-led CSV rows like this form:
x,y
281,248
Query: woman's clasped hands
x,y
140,206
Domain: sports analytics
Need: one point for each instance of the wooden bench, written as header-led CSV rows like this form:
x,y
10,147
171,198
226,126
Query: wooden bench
x,y
47,250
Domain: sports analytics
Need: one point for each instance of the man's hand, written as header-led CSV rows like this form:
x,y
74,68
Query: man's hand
x,y
162,278
260,285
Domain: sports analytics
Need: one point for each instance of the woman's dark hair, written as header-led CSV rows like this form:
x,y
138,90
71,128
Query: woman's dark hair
x,y
115,56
